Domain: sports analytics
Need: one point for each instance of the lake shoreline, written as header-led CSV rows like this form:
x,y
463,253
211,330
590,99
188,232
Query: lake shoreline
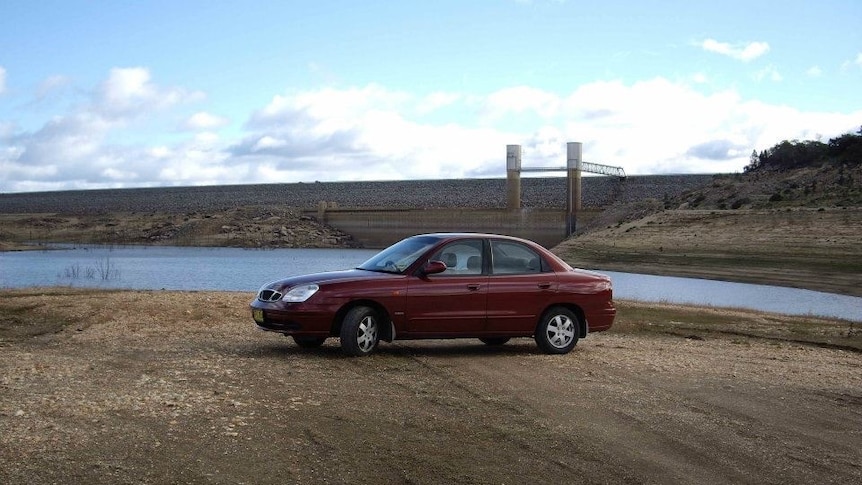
x,y
783,279
788,277
174,268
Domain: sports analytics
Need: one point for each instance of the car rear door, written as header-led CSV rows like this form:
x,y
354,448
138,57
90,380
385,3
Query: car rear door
x,y
520,287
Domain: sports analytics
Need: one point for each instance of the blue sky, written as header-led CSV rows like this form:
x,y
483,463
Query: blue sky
x,y
132,94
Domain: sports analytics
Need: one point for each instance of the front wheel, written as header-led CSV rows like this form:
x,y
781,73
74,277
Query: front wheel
x,y
360,331
558,331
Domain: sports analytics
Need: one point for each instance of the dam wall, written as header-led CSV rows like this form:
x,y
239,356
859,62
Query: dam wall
x,y
377,214
536,193
380,228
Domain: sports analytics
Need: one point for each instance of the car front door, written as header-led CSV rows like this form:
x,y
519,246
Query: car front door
x,y
451,303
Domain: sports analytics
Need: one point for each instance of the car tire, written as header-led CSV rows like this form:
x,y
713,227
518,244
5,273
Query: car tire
x,y
494,340
360,331
558,331
309,342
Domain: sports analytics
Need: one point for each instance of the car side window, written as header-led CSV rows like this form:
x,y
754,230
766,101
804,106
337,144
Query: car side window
x,y
461,257
509,257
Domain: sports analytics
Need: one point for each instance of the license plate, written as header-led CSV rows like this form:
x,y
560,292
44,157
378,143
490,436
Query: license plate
x,y
257,314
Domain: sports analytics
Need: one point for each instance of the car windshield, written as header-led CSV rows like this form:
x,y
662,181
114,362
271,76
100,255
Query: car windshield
x,y
396,258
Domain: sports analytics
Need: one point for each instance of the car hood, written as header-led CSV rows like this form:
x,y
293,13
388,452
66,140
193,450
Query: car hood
x,y
329,277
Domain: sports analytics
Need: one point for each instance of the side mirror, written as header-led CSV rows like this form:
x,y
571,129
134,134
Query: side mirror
x,y
433,267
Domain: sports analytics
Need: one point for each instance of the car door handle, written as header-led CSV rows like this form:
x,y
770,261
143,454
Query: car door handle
x,y
544,286
473,287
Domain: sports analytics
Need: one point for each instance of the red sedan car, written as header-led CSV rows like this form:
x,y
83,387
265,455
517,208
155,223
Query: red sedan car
x,y
481,286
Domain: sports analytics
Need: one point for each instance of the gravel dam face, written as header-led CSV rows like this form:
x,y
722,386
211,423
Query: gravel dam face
x,y
546,193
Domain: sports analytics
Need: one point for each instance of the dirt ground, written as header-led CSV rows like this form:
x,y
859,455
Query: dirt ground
x,y
179,387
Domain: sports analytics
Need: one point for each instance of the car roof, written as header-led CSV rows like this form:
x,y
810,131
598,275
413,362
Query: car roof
x,y
463,234
458,235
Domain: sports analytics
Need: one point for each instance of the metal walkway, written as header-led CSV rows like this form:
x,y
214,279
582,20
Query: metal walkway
x,y
603,169
585,167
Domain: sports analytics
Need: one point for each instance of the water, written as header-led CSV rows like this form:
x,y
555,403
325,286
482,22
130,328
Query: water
x,y
775,299
232,269
169,268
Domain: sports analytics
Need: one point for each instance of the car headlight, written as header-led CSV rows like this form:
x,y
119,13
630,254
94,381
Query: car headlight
x,y
299,294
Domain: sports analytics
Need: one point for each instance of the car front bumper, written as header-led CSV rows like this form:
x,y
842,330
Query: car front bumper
x,y
296,319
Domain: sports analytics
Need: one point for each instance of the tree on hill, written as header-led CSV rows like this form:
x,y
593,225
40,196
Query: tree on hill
x,y
842,150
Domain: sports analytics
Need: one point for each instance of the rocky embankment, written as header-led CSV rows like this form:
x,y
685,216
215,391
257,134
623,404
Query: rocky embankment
x,y
468,193
247,226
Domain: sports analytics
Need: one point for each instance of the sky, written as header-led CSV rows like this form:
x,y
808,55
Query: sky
x,y
114,94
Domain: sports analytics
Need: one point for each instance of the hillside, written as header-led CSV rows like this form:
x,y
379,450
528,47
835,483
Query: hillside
x,y
795,223
806,248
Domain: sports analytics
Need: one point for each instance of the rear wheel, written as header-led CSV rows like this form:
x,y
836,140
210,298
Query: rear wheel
x,y
360,331
309,342
558,331
494,340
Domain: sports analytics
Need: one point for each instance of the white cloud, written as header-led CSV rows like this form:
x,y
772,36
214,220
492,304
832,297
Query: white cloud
x,y
519,100
2,80
51,85
267,142
647,127
373,133
125,86
118,175
329,103
204,121
852,63
814,71
742,52
326,134
436,101
128,93
81,148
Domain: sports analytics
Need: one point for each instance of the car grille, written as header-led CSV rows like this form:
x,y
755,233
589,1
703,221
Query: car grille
x,y
269,295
